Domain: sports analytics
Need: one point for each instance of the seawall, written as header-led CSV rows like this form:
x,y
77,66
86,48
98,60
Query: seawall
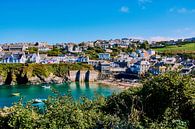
x,y
83,75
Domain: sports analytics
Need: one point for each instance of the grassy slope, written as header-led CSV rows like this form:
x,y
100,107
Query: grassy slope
x,y
187,48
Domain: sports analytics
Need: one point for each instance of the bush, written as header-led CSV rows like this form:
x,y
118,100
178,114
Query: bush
x,y
165,101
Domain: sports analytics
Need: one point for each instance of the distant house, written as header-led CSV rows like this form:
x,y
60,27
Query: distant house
x,y
94,62
14,48
134,55
169,60
144,55
76,49
140,67
105,68
44,49
151,52
105,45
1,49
14,58
83,59
108,50
50,60
104,56
138,51
33,58
190,39
123,57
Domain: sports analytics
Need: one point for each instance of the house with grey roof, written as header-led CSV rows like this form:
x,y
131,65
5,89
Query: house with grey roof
x,y
14,58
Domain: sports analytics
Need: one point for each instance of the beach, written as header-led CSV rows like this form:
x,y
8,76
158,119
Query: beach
x,y
120,83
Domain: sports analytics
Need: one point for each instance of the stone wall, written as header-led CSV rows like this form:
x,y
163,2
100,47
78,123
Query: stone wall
x,y
83,76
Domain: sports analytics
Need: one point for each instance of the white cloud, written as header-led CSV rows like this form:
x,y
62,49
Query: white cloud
x,y
143,3
124,9
186,29
171,9
160,38
181,10
184,32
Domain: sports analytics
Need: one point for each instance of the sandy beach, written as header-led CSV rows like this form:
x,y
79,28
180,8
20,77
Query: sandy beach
x,y
120,84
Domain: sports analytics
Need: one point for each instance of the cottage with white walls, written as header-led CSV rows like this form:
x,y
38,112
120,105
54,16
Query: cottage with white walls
x,y
33,58
14,58
104,56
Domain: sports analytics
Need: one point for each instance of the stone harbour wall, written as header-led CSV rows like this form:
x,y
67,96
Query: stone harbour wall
x,y
83,76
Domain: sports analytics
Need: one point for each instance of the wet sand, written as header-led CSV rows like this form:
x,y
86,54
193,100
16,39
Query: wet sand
x,y
120,84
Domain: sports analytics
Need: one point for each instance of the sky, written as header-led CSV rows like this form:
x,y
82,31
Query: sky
x,y
56,21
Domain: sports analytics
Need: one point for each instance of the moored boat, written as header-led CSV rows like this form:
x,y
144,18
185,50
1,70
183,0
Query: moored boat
x,y
15,94
46,87
37,101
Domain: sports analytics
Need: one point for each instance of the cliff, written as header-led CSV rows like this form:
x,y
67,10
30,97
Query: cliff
x,y
12,74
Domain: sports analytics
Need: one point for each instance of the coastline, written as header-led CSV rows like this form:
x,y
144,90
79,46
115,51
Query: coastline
x,y
120,84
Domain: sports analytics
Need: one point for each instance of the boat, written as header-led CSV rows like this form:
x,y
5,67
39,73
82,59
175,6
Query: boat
x,y
37,101
46,87
15,94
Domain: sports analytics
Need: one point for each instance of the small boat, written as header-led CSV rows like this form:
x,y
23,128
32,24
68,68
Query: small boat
x,y
37,101
15,94
46,87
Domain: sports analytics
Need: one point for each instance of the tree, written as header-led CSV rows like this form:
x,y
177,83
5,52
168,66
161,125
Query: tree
x,y
145,45
169,95
134,46
32,50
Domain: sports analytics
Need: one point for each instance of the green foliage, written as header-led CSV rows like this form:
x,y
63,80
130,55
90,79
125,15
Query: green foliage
x,y
32,50
120,104
145,45
93,52
54,52
169,91
115,52
165,101
186,50
61,113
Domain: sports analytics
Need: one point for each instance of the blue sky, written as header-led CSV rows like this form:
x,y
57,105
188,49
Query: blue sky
x,y
83,20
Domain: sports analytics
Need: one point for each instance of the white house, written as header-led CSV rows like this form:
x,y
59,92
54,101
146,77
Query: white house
x,y
44,49
169,60
34,58
14,58
140,67
104,56
151,52
83,59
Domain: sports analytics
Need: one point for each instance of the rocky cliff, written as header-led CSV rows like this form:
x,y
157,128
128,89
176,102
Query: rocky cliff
x,y
37,73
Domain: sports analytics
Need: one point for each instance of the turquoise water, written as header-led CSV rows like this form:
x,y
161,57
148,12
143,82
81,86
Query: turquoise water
x,y
38,92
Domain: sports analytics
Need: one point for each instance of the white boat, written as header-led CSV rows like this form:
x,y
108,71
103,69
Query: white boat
x,y
15,94
46,87
37,101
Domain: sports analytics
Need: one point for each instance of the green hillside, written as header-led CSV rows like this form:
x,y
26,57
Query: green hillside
x,y
187,48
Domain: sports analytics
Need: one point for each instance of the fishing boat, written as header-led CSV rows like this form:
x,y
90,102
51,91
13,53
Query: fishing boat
x,y
46,87
15,94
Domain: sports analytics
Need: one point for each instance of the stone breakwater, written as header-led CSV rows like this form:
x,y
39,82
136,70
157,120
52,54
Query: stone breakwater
x,y
72,75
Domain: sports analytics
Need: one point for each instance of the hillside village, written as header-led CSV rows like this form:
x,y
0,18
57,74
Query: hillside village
x,y
121,57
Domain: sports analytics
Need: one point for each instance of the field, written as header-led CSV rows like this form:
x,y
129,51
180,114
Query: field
x,y
187,49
